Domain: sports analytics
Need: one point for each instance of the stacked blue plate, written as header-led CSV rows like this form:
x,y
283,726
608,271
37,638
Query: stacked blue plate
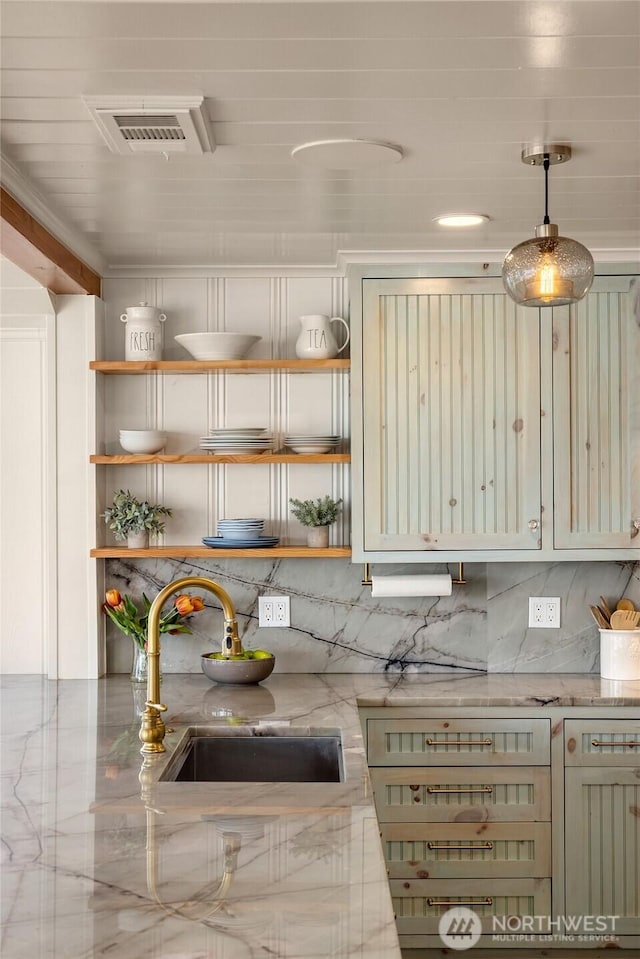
x,y
245,533
240,528
221,542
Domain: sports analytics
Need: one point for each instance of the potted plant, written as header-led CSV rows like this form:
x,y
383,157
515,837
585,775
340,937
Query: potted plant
x,y
133,520
318,515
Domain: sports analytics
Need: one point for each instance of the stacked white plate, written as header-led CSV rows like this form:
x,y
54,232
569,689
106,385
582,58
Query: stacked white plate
x,y
311,443
241,440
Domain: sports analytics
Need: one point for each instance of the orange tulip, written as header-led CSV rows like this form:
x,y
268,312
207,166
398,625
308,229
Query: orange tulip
x,y
183,604
113,598
197,603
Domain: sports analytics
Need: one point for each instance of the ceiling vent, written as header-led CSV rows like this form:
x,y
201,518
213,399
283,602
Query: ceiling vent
x,y
153,124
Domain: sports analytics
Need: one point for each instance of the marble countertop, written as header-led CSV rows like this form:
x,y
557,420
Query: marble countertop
x,y
101,859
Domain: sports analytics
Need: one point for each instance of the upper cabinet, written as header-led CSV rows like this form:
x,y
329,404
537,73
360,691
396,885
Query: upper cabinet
x,y
596,418
483,430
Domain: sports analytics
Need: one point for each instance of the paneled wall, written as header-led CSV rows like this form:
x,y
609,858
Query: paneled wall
x,y
187,406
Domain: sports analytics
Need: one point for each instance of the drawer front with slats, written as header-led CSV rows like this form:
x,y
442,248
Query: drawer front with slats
x,y
520,794
466,850
419,904
450,742
614,742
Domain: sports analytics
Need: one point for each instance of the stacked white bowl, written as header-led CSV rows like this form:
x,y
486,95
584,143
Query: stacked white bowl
x,y
311,443
142,441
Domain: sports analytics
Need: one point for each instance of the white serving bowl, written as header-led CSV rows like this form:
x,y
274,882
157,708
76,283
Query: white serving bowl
x,y
142,441
217,346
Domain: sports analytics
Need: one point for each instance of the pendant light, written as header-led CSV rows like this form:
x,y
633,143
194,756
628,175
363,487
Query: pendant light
x,y
547,270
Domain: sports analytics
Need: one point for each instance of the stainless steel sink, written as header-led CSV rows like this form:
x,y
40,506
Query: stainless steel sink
x,y
257,756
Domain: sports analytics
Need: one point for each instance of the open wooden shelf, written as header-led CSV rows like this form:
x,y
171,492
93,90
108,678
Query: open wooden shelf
x,y
188,552
265,459
221,366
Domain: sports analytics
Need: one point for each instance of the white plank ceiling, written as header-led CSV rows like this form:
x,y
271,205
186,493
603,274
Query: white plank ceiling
x,y
460,86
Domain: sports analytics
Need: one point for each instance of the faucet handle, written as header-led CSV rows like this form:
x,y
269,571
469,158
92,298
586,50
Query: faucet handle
x,y
158,706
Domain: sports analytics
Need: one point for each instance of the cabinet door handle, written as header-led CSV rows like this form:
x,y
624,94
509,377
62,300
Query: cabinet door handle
x,y
533,524
458,845
596,742
461,742
460,789
486,901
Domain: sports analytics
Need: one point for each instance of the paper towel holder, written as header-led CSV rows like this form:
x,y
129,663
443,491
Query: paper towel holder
x,y
366,575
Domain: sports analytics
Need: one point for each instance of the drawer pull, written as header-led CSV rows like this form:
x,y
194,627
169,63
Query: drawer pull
x,y
461,742
487,901
596,742
458,845
460,789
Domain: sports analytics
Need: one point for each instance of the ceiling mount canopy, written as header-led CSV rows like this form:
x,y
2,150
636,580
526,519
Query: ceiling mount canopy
x,y
548,269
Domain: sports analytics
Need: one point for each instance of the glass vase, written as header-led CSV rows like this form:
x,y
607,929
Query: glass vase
x,y
139,665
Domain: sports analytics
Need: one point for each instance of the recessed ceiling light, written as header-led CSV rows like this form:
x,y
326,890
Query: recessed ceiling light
x,y
347,154
461,219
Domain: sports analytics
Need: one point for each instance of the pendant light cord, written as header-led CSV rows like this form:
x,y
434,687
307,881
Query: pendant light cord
x,y
545,164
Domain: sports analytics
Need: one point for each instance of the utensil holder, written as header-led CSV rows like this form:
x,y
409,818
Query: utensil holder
x,y
620,654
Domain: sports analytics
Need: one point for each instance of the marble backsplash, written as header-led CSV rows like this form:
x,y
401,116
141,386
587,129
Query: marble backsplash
x,y
338,627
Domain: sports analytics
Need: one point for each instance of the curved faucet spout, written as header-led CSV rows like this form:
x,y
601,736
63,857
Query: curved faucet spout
x,y
152,728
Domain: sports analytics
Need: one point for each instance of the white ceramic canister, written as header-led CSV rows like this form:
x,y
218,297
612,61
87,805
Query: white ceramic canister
x,y
620,654
143,335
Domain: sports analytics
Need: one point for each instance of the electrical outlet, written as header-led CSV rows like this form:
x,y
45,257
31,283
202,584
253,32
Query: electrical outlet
x,y
274,611
544,612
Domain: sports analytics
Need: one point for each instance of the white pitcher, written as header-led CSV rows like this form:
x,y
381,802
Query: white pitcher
x,y
316,340
143,340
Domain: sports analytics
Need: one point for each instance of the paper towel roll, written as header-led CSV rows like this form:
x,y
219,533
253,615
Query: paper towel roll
x,y
411,585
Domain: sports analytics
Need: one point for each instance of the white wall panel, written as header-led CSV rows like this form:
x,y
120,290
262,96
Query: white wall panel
x,y
24,629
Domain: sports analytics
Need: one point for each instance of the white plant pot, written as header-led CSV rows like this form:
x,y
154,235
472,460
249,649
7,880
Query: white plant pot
x,y
138,540
318,537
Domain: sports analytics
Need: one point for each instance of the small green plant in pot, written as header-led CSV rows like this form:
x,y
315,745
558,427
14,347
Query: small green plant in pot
x,y
318,515
133,520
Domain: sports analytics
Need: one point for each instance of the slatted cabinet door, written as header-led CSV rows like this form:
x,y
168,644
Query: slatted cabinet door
x,y
451,416
596,418
602,853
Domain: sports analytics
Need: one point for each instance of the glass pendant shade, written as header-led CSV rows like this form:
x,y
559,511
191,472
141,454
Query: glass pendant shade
x,y
547,270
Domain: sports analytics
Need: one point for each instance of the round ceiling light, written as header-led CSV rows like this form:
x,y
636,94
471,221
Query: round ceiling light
x,y
461,219
346,154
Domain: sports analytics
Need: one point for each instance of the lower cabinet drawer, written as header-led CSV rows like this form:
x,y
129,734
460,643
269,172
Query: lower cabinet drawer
x,y
466,850
419,904
454,742
614,742
463,794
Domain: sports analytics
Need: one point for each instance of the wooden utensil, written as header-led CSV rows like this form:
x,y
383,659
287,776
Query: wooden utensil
x,y
599,618
605,615
605,607
625,603
625,619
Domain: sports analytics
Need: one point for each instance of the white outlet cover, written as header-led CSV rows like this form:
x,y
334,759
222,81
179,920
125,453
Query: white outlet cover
x,y
544,612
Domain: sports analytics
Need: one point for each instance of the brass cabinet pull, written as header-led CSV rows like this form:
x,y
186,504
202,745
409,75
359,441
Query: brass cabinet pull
x,y
458,845
460,789
487,901
596,742
461,742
